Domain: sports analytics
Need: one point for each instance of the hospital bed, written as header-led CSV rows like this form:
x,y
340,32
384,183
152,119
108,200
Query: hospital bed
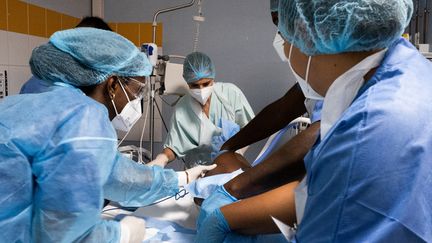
x,y
173,219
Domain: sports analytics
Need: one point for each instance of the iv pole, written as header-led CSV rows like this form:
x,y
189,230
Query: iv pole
x,y
153,76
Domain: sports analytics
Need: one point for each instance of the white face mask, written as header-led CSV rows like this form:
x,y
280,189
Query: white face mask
x,y
129,115
201,95
278,45
307,90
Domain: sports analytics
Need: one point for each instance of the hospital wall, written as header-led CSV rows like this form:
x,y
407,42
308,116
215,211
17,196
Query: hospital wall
x,y
237,35
25,25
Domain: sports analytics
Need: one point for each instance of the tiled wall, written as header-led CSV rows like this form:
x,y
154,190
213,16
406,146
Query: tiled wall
x,y
24,26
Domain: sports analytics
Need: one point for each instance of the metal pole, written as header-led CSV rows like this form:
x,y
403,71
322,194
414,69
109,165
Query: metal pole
x,y
166,10
152,110
153,76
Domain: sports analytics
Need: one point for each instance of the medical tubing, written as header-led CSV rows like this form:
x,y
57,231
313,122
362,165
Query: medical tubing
x,y
196,39
197,32
166,102
142,133
160,114
121,141
177,196
163,121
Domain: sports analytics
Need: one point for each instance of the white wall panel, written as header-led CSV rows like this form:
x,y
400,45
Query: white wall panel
x,y
18,48
35,41
4,55
17,76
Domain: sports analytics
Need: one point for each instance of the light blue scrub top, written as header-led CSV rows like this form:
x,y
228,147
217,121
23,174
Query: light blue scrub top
x,y
370,178
227,102
58,161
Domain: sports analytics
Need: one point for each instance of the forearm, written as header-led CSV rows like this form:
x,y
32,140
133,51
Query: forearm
x,y
133,184
283,166
169,154
252,215
270,120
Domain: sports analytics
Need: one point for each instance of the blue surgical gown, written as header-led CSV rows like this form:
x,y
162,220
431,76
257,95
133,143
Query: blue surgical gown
x,y
58,160
34,86
370,178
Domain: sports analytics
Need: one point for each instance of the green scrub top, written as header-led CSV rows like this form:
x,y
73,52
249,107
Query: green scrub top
x,y
191,131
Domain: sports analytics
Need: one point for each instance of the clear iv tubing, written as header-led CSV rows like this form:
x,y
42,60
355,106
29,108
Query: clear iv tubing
x,y
197,33
142,131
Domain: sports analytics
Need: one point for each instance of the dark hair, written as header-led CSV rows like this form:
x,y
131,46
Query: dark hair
x,y
94,22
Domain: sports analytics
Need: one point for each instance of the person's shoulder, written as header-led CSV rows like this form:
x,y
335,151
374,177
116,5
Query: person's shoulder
x,y
183,106
227,87
71,102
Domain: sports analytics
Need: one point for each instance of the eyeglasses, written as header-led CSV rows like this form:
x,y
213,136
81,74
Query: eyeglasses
x,y
137,88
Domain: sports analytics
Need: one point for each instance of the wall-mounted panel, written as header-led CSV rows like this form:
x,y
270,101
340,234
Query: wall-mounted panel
x,y
4,55
3,15
17,76
18,48
130,31
17,16
53,20
37,21
146,33
69,22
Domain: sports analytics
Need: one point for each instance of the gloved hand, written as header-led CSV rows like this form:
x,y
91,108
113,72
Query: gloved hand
x,y
229,129
160,160
214,228
189,175
132,229
219,198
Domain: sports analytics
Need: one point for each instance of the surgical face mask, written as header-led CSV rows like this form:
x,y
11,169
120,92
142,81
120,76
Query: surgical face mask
x,y
201,95
278,45
129,115
307,90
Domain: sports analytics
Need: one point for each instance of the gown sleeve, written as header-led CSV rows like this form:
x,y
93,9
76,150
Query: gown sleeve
x,y
132,184
69,175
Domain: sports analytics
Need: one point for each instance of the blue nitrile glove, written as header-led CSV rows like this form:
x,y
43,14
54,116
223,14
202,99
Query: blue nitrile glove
x,y
214,228
229,129
219,198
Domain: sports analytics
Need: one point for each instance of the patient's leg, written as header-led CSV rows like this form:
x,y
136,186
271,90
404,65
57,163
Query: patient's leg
x,y
252,215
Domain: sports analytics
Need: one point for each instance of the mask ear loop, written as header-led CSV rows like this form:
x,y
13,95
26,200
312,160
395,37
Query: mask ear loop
x,y
121,85
290,51
307,73
112,98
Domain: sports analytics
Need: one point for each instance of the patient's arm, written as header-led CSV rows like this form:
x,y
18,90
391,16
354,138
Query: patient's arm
x,y
226,163
229,162
252,215
283,166
270,120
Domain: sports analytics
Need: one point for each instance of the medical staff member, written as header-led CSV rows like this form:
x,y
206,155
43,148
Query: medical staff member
x,y
58,149
211,109
369,174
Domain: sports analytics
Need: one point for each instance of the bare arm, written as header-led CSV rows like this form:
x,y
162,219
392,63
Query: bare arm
x,y
283,166
252,215
163,158
270,120
169,153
